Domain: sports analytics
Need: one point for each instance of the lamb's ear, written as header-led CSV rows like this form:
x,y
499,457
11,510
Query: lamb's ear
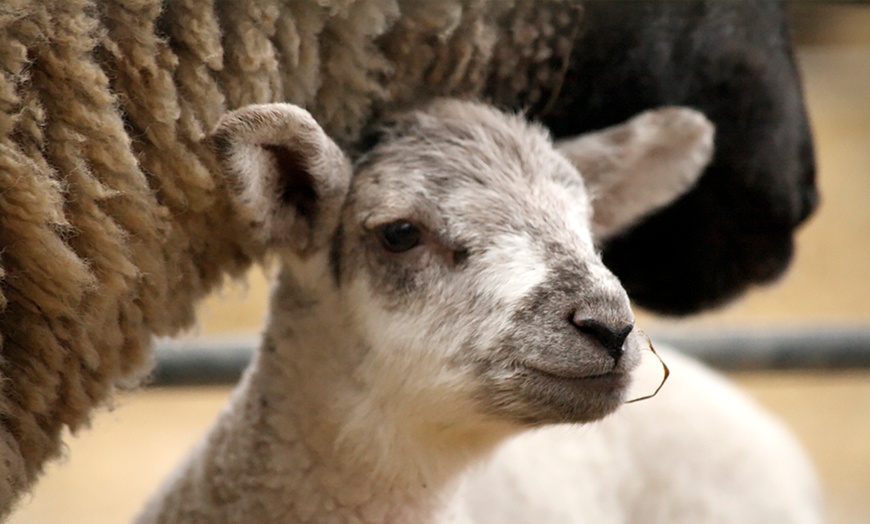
x,y
289,179
641,165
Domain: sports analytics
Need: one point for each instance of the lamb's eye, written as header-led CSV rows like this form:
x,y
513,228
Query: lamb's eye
x,y
399,236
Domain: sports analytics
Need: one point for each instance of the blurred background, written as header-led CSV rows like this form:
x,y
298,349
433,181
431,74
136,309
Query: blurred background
x,y
111,469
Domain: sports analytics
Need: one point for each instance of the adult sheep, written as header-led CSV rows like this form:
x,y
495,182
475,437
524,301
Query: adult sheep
x,y
112,224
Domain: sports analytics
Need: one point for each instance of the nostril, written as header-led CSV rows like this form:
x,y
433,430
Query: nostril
x,y
611,337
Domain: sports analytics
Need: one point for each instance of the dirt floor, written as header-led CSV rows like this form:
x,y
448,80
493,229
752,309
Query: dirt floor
x,y
112,468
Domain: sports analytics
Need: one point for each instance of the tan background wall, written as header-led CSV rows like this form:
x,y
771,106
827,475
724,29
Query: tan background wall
x,y
114,466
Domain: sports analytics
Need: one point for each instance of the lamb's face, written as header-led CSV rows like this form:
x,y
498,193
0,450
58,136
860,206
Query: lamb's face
x,y
466,259
460,251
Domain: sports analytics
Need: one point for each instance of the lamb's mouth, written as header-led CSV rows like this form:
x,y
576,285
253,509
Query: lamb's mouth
x,y
609,381
525,393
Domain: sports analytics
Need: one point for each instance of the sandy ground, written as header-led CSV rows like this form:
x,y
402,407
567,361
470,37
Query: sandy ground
x,y
112,468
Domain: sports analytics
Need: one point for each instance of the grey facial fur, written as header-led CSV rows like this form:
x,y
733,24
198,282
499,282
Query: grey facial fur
x,y
472,179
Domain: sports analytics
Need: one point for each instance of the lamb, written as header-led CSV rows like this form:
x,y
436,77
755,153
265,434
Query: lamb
x,y
113,225
442,313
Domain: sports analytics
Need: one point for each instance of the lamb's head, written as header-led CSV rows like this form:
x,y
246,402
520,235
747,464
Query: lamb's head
x,y
461,250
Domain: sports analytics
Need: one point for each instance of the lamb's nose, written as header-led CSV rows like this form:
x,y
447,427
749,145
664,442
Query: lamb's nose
x,y
612,337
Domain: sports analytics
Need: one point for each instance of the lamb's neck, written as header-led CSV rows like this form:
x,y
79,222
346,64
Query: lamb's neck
x,y
324,444
321,469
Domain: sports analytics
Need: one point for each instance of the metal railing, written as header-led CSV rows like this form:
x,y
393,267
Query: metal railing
x,y
221,361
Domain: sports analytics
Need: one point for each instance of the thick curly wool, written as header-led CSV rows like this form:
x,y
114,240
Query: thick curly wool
x,y
112,221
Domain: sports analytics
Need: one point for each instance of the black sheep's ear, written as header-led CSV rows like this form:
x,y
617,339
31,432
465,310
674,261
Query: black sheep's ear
x,y
289,179
634,168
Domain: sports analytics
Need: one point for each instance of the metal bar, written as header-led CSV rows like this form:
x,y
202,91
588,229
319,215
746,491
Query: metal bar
x,y
199,362
819,348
